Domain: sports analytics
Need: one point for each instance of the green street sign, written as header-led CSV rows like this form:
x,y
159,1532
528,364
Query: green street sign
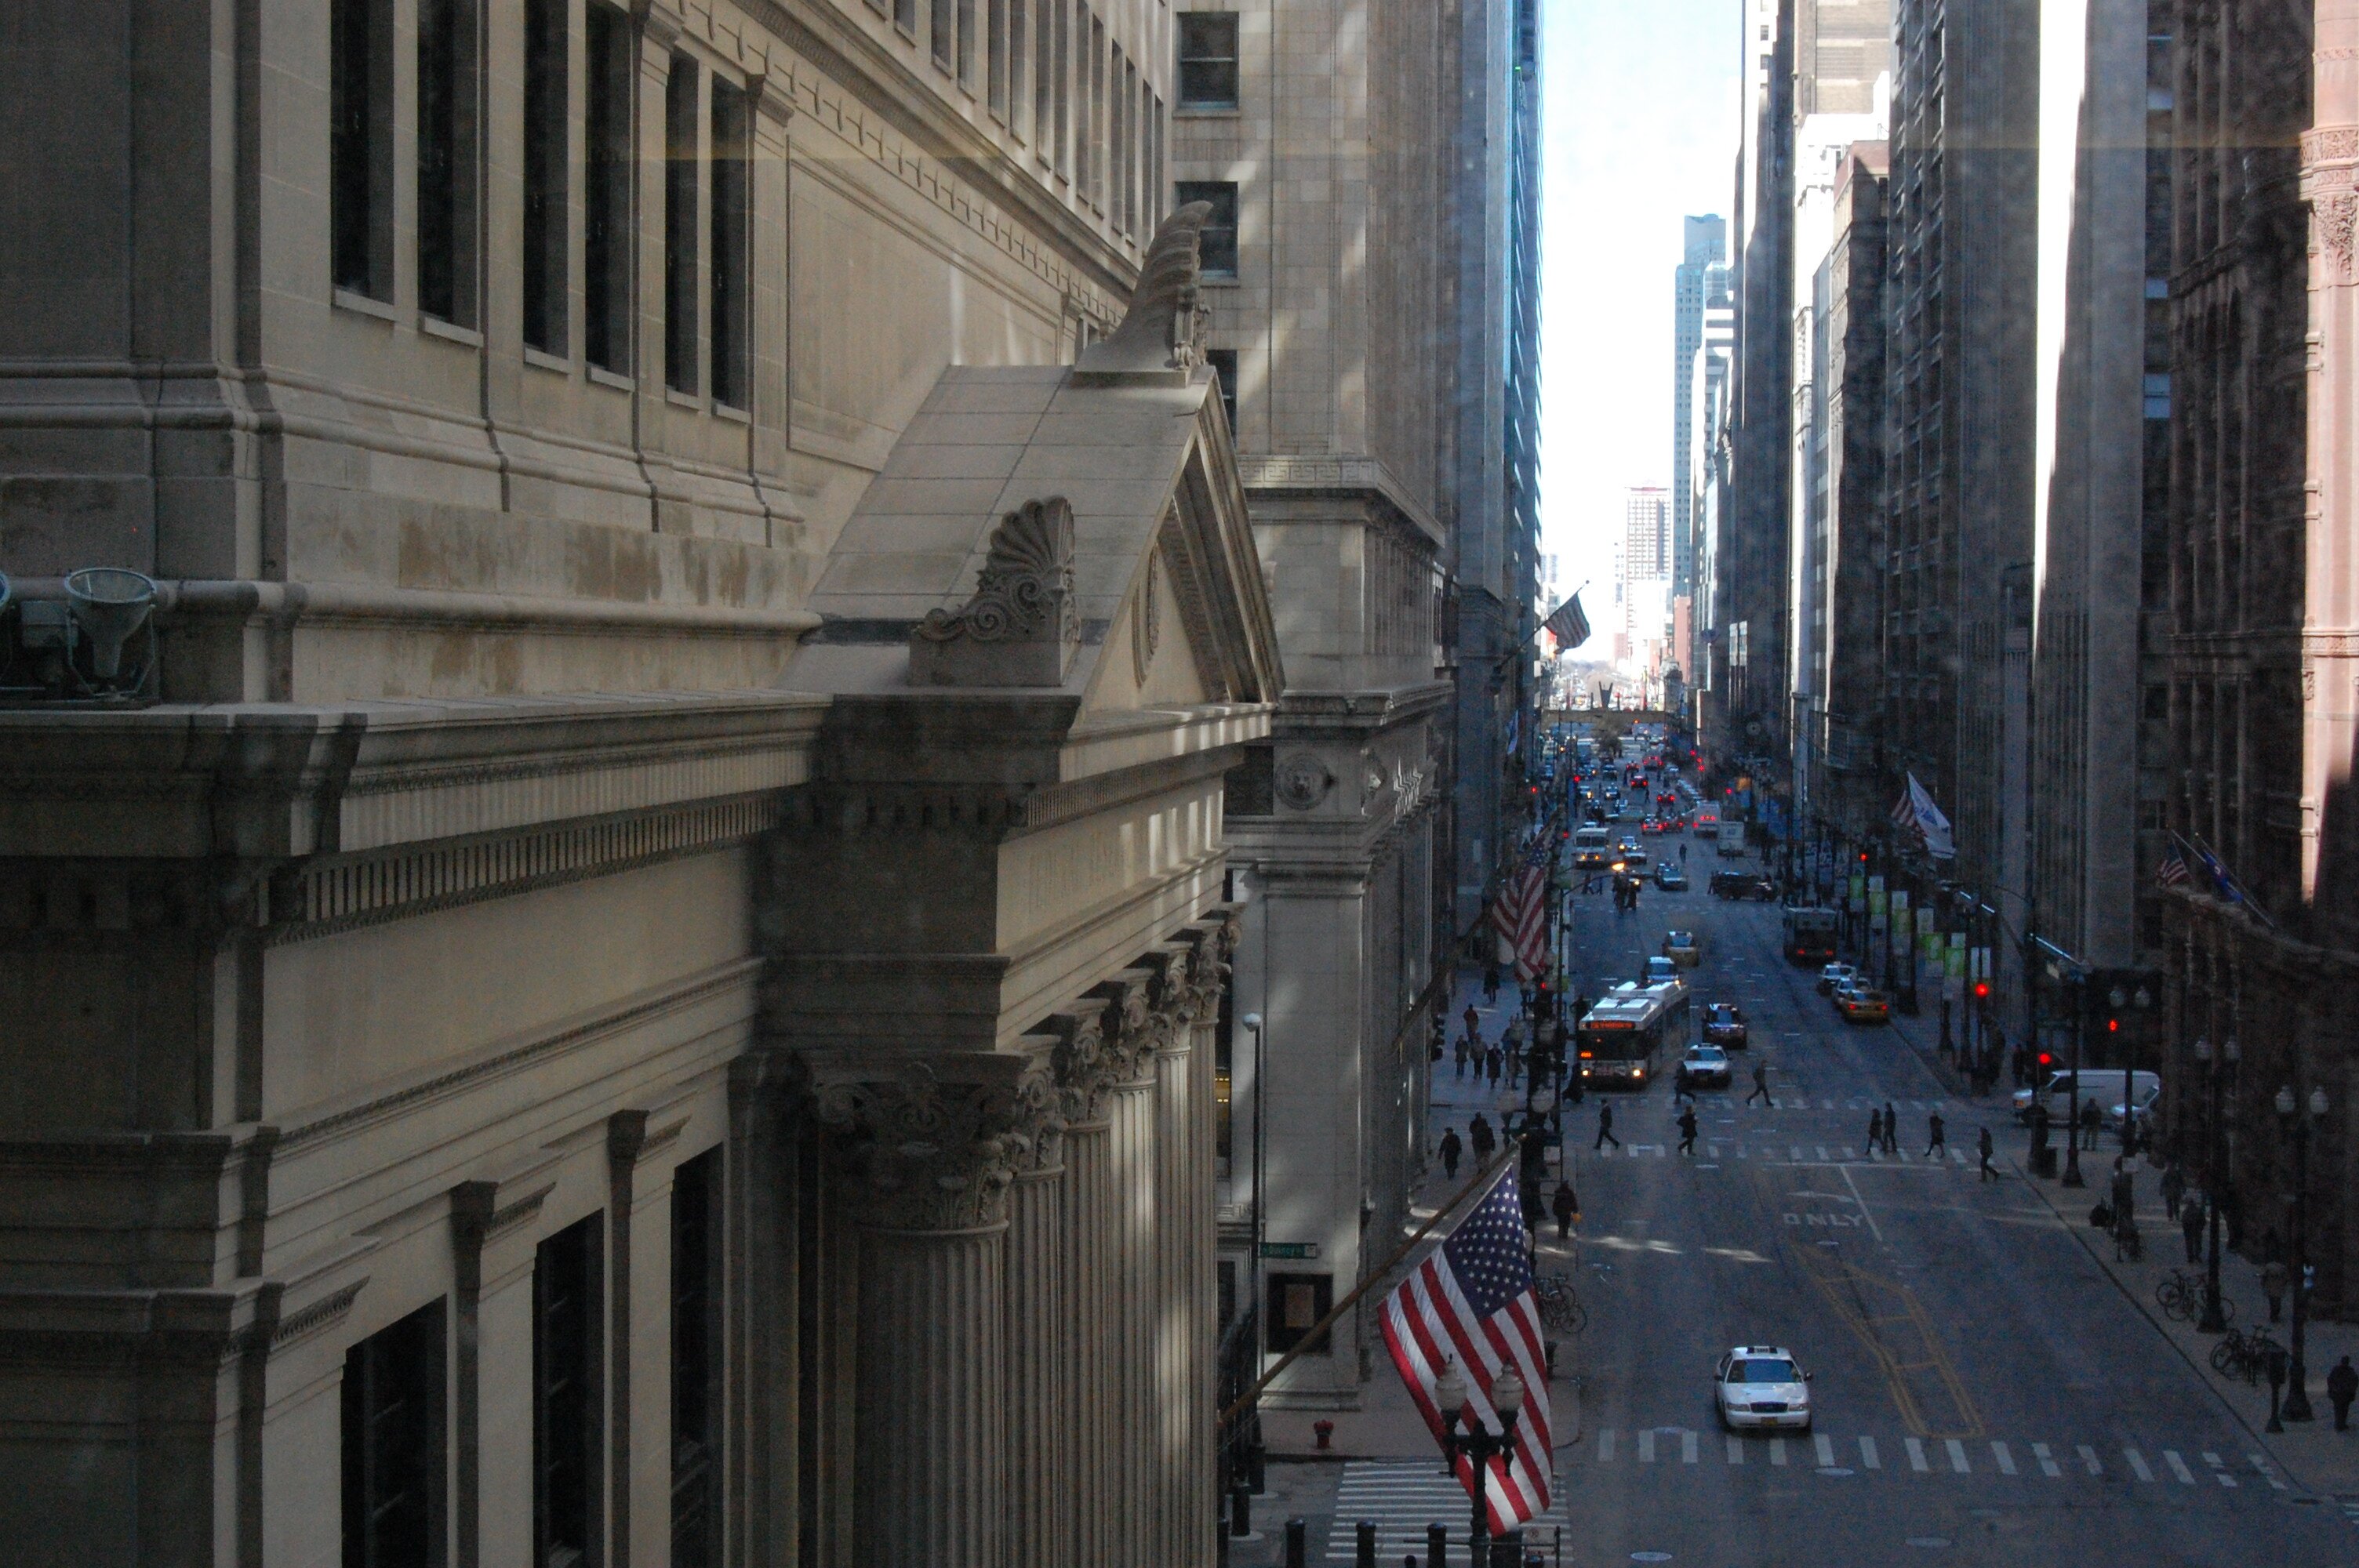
x,y
1292,1250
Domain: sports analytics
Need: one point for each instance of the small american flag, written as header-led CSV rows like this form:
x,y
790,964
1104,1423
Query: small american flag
x,y
2173,870
1471,1301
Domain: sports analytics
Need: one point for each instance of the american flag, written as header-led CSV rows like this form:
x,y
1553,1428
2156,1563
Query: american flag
x,y
1471,1301
1521,912
2173,870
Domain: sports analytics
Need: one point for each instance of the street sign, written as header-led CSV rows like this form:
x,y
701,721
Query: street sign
x,y
1289,1250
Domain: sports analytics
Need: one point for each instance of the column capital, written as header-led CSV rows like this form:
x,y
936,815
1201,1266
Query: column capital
x,y
937,1139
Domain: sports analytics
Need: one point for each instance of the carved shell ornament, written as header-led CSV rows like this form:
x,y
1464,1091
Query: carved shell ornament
x,y
1026,579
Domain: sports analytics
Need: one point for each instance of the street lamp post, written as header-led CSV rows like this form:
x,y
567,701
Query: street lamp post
x,y
1476,1443
2297,1403
2072,1177
2213,1321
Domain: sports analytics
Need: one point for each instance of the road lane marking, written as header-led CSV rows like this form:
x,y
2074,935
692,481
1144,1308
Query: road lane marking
x,y
2089,1458
1646,1446
1867,1458
2005,1460
2268,1472
1776,1451
1847,1152
1687,1447
2178,1466
1826,1446
1798,1153
1916,1456
2137,1464
1605,1446
2047,1465
1822,1152
2219,1471
1957,1456
1735,1450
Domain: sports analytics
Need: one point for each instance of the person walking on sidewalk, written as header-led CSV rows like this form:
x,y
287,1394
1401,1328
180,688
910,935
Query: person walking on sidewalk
x,y
2273,1286
1688,1130
1891,1129
1604,1127
2174,1188
2342,1387
1490,985
1493,1060
1567,1207
1937,1144
2092,1121
1474,1021
2190,1222
1451,1150
1988,1175
1761,1085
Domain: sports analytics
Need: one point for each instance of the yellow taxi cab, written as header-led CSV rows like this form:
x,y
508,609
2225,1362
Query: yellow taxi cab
x,y
1860,1005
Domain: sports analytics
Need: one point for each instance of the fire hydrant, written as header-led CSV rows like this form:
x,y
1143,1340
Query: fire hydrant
x,y
1324,1431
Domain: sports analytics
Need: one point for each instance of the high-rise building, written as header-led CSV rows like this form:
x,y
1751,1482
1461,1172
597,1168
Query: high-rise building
x,y
1646,532
1700,279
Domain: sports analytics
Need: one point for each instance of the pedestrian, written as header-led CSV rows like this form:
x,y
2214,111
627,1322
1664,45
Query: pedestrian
x,y
2174,1187
1988,1173
1604,1127
2125,1192
1683,855
2273,1286
1568,1209
2232,1216
1480,1133
1891,1129
1451,1150
1761,1085
1688,1130
1533,1208
1513,1043
2091,1121
1462,1054
1937,1144
1473,1022
1874,1132
1490,985
2342,1387
1493,1062
2191,1221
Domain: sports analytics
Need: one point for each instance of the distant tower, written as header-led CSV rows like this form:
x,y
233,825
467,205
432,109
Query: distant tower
x,y
1703,280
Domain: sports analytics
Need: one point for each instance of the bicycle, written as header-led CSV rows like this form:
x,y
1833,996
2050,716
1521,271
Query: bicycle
x,y
2244,1355
2180,1297
1559,1309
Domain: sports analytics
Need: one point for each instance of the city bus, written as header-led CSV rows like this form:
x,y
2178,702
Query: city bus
x,y
1811,936
1589,849
1620,1037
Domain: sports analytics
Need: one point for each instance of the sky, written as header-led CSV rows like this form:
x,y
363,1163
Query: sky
x,y
1640,130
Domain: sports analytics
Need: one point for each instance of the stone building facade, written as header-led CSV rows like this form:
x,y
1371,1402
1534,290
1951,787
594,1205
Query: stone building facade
x,y
637,978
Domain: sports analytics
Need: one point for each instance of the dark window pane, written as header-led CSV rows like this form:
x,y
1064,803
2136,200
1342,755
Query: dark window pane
x,y
1224,361
731,235
679,226
360,146
545,111
568,1414
696,1363
606,182
392,1442
1208,59
446,159
1218,246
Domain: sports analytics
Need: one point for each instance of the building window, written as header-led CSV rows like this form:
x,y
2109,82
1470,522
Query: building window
x,y
544,139
1097,181
942,32
966,44
1063,15
1224,363
1208,59
1118,134
1018,57
360,146
393,1446
446,159
994,70
696,1363
905,15
731,242
1297,1302
679,226
607,51
568,1428
1154,161
1218,245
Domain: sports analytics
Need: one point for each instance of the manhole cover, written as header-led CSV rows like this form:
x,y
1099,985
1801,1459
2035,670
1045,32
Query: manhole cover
x,y
1833,1470
1650,1557
1928,1541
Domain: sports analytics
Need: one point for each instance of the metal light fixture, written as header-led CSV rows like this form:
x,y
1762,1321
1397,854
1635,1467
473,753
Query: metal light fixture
x,y
109,604
2285,1100
2318,1104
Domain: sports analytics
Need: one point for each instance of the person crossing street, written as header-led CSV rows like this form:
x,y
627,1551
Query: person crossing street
x,y
1983,1145
1761,1085
1605,1126
1891,1129
1938,1143
1566,1206
2342,1387
1687,1131
1451,1150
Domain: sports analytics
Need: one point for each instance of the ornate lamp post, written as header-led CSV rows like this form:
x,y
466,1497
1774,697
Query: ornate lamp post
x,y
2297,1404
2214,1162
1477,1443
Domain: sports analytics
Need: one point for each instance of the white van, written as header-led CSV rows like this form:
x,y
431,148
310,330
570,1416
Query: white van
x,y
2111,1088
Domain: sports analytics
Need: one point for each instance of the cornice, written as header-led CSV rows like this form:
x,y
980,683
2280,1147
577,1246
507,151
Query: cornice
x,y
1298,474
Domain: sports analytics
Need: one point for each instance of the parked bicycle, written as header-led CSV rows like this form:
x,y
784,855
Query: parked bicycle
x,y
2244,1355
1559,1309
2180,1296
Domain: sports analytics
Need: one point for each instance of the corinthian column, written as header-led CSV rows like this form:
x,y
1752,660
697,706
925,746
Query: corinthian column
x,y
937,1145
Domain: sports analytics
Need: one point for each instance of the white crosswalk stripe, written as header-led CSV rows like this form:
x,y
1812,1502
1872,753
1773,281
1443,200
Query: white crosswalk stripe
x,y
2138,1465
1401,1498
2178,1466
1927,1456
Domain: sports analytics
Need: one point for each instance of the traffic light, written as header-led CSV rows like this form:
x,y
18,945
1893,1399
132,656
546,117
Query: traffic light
x,y
1981,990
2046,1060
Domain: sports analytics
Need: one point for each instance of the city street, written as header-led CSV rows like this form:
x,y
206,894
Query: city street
x,y
1984,1392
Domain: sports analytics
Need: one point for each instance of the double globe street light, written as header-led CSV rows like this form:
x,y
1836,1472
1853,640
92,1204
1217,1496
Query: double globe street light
x,y
2297,1404
1467,1437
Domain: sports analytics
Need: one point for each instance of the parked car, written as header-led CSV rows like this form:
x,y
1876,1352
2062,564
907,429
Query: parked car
x,y
1859,1005
1669,878
1834,977
1679,947
1705,1068
1761,1385
1742,885
2111,1088
1724,1025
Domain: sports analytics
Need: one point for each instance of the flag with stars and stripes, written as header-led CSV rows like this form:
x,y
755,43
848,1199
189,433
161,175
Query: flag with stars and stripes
x,y
2173,870
1471,1301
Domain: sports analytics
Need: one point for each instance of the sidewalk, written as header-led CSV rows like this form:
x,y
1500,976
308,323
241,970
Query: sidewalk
x,y
2313,1454
1386,1425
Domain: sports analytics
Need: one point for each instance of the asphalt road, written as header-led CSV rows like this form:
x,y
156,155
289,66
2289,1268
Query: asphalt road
x,y
1983,1393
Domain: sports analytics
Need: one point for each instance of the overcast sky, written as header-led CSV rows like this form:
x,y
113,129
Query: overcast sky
x,y
1641,130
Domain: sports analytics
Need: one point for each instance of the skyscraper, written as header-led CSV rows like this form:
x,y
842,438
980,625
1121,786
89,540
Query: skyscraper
x,y
1700,280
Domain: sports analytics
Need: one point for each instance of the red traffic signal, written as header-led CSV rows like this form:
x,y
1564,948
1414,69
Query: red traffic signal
x,y
1981,990
2045,1060
2112,1026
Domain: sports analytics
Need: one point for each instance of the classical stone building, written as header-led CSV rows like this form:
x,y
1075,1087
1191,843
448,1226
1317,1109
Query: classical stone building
x,y
632,976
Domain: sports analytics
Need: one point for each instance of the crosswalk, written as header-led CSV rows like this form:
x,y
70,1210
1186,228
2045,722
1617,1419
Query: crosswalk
x,y
1401,1497
1786,1154
1865,1454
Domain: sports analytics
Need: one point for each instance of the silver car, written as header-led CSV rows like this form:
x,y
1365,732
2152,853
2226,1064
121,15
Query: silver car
x,y
1762,1386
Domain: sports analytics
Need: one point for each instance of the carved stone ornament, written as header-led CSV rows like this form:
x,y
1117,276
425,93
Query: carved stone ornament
x,y
1157,335
1022,627
1303,781
2336,217
934,1154
1146,619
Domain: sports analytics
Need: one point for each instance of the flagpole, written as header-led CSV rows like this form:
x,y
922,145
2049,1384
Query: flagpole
x,y
1488,1173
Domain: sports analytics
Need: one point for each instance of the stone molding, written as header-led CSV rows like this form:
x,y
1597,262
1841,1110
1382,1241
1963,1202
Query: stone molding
x,y
1312,474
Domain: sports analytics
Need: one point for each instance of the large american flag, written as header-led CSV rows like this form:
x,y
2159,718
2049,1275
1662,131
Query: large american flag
x,y
1471,1301
1521,913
